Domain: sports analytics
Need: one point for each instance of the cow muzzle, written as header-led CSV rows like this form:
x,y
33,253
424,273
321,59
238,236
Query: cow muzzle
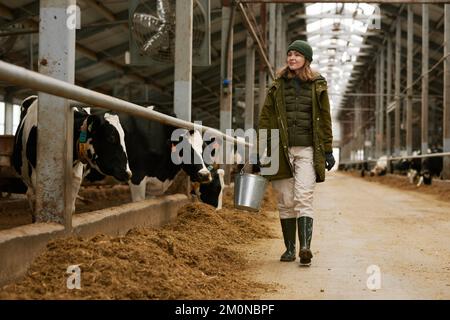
x,y
122,175
204,176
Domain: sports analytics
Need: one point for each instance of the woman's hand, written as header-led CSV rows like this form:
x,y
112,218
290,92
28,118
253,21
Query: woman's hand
x,y
329,160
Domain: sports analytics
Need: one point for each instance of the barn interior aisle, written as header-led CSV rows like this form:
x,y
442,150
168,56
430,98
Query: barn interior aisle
x,y
126,127
364,229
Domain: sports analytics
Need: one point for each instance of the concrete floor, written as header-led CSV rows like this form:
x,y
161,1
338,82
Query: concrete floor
x,y
359,224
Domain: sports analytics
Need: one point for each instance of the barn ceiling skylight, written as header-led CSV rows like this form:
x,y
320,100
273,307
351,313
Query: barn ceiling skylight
x,y
336,33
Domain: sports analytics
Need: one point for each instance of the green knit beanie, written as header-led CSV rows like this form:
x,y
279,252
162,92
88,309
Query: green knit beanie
x,y
303,47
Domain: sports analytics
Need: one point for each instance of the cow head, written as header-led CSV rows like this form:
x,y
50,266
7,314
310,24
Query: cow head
x,y
107,151
212,193
187,152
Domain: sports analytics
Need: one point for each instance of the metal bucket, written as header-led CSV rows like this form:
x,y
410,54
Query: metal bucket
x,y
249,191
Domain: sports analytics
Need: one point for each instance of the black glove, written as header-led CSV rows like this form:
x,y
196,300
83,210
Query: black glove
x,y
329,160
256,167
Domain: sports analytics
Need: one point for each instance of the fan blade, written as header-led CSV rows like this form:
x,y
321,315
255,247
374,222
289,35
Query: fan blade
x,y
146,20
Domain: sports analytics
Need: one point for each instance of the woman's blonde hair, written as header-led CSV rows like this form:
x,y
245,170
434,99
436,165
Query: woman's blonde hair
x,y
305,73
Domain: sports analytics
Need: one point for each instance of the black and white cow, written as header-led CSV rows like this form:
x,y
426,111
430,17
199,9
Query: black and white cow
x,y
432,167
104,148
402,166
425,169
150,152
421,170
363,167
414,168
380,168
212,192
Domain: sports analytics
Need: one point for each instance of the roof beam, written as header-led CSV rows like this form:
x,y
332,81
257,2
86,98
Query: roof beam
x,y
105,12
338,33
85,33
21,13
164,76
395,11
6,12
110,53
393,15
337,16
126,71
342,1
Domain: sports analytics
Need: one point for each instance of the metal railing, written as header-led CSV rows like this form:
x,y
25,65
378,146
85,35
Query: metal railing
x,y
39,82
391,158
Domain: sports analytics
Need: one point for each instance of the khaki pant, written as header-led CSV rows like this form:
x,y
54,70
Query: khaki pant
x,y
295,195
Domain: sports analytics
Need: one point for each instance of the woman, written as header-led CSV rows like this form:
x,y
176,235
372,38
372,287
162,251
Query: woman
x,y
297,104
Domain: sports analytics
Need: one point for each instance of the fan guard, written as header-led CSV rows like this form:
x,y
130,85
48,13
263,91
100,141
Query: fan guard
x,y
153,28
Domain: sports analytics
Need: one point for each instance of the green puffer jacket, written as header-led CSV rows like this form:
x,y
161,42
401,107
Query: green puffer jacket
x,y
273,116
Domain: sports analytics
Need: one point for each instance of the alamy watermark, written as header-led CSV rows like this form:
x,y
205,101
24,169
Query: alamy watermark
x,y
74,17
374,280
74,279
215,149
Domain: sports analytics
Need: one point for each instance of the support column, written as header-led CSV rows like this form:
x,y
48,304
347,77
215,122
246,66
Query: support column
x,y
424,117
226,76
182,100
446,117
398,52
382,106
30,51
55,118
279,55
357,127
377,106
389,95
409,81
262,68
361,131
272,24
284,40
354,148
261,91
182,94
249,83
8,115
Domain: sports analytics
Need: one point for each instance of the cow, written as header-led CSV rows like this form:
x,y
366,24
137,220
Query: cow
x,y
422,170
432,166
411,167
212,192
103,148
428,167
380,168
363,167
151,151
401,166
414,168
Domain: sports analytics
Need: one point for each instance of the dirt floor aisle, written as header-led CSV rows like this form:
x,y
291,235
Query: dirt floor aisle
x,y
359,224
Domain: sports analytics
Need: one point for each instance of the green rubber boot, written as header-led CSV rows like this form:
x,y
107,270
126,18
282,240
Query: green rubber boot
x,y
305,227
289,228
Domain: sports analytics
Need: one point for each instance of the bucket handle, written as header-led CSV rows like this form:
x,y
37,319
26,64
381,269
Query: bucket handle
x,y
242,170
